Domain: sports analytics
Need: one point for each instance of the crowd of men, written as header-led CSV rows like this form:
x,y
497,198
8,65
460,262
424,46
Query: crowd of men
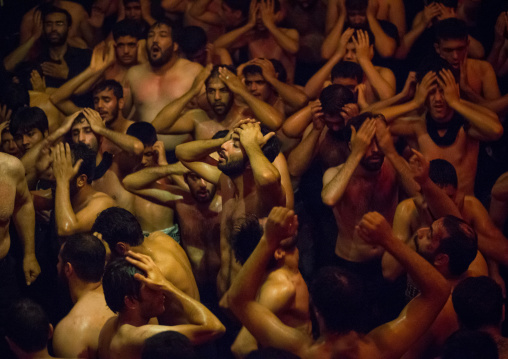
x,y
253,179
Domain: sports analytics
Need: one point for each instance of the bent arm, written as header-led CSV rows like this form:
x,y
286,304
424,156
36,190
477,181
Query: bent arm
x,y
336,180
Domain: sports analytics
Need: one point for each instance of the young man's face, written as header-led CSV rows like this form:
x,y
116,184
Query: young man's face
x,y
133,11
219,96
159,45
453,51
437,105
82,132
258,87
55,28
107,105
201,190
27,140
9,146
126,50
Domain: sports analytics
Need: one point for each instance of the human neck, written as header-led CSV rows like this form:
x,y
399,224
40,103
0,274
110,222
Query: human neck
x,y
78,289
82,196
57,52
164,68
132,317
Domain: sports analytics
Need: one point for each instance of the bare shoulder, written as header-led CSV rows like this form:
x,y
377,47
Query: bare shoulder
x,y
72,6
102,199
188,66
11,165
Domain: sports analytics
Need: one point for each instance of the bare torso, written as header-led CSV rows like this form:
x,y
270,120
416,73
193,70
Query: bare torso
x,y
8,195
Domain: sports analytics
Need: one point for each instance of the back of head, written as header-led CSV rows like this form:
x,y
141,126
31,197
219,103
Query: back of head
x,y
143,131
271,353
109,85
245,236
334,97
442,173
27,119
347,70
451,29
87,255
465,344
338,296
118,282
191,40
461,245
116,224
214,74
27,325
80,151
168,344
126,27
434,63
478,302
48,9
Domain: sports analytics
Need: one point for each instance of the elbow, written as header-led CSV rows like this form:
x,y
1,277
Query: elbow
x,y
64,230
387,50
325,53
497,131
138,148
328,200
180,153
269,178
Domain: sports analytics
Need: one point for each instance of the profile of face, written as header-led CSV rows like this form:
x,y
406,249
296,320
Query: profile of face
x,y
219,96
427,239
160,46
437,105
232,157
126,50
81,132
356,18
107,105
201,190
30,138
133,11
151,302
55,29
454,51
149,158
9,146
258,87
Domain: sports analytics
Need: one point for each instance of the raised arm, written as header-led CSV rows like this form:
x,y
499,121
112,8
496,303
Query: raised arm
x,y
393,339
287,39
334,27
127,143
384,44
263,112
12,60
203,325
24,221
336,179
234,38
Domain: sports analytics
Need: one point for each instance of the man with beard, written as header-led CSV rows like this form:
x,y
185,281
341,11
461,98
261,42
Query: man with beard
x,y
221,86
166,77
246,178
77,204
263,37
80,266
198,218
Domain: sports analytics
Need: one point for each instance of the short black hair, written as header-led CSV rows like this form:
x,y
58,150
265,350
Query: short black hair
x,y
118,282
168,344
435,63
27,325
347,70
334,97
461,244
28,118
109,85
126,27
168,23
215,72
245,236
252,70
271,148
192,39
143,131
115,225
271,353
478,302
447,3
442,173
87,255
80,151
47,9
339,297
469,344
450,29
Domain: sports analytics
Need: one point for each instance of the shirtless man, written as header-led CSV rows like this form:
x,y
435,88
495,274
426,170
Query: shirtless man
x,y
151,86
82,30
339,316
122,232
247,180
76,202
451,128
80,265
29,126
263,36
284,291
497,56
198,214
359,14
135,288
356,45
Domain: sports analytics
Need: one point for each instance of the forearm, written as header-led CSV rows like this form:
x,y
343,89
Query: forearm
x,y
66,220
12,60
495,53
334,190
332,40
24,221
486,125
265,173
408,41
385,45
411,187
301,156
197,150
145,177
379,105
291,95
382,88
391,113
287,43
314,86
65,91
172,111
439,204
296,124
228,39
263,112
127,143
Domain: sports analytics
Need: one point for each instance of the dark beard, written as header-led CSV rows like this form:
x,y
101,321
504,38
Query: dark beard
x,y
162,60
57,42
232,169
